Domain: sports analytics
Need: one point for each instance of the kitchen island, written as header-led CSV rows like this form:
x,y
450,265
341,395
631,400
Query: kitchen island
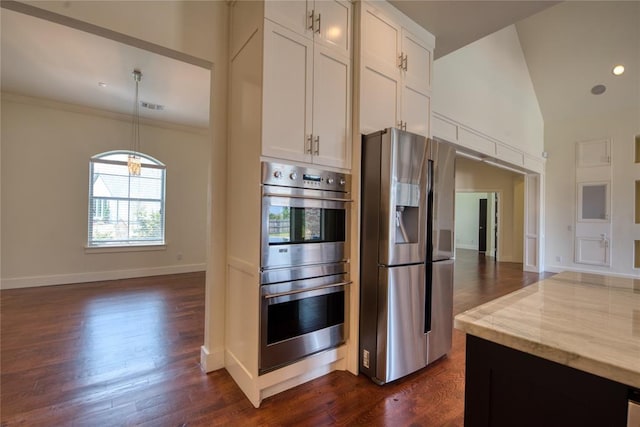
x,y
564,351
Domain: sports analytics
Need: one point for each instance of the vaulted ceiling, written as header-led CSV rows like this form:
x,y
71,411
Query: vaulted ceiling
x,y
569,47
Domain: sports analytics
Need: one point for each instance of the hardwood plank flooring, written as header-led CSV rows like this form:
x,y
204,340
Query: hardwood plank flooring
x,y
127,352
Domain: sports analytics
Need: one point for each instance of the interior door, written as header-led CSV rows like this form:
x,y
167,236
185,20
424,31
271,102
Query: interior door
x,y
482,226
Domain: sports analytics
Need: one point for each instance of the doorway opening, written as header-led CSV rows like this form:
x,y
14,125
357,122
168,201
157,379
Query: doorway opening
x,y
477,218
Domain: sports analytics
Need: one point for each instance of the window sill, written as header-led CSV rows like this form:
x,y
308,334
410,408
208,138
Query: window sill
x,y
128,248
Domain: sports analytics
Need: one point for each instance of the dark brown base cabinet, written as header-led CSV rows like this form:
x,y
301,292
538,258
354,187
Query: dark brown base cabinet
x,y
507,387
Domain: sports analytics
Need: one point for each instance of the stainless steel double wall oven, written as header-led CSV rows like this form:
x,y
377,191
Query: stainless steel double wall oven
x,y
304,262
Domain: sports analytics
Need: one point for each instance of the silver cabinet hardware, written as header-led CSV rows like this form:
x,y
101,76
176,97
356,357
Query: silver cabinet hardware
x,y
403,59
316,151
402,125
311,22
307,144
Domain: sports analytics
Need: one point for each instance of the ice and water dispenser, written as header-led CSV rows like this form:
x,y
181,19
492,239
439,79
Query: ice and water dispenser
x,y
407,209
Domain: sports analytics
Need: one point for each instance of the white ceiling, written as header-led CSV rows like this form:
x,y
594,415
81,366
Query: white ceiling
x,y
569,47
573,46
47,60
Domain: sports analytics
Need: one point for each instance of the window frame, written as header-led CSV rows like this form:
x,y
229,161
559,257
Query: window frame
x,y
148,162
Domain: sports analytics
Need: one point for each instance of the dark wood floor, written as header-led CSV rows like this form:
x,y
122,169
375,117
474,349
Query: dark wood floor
x,y
127,353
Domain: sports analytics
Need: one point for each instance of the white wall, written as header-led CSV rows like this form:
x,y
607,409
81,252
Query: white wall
x,y
467,219
486,87
45,179
560,193
197,28
474,176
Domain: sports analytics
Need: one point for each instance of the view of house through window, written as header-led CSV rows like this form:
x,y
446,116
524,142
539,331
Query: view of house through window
x,y
125,210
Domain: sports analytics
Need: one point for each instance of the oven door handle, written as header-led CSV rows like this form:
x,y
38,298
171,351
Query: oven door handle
x,y
299,291
331,199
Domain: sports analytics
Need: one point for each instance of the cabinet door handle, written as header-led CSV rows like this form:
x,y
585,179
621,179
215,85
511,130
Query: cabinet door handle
x,y
311,21
403,59
319,22
316,151
402,125
307,145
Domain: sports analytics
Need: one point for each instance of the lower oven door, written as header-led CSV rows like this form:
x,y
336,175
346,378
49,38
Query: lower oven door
x,y
300,318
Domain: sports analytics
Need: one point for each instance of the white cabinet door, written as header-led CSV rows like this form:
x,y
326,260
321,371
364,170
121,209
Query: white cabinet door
x,y
295,15
395,74
287,94
416,84
333,25
379,100
380,72
331,109
417,65
381,38
416,110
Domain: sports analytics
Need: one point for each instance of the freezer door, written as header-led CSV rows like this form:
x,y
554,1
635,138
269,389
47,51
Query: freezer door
x,y
402,341
442,198
441,309
403,198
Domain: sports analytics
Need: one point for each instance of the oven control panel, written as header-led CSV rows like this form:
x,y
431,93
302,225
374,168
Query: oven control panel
x,y
285,175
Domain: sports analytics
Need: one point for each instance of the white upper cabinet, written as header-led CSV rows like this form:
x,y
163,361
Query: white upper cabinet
x,y
307,82
327,22
333,21
292,14
395,72
417,61
331,109
287,94
380,84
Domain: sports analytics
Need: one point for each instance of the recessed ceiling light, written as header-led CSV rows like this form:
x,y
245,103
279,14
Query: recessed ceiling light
x,y
618,70
102,84
598,89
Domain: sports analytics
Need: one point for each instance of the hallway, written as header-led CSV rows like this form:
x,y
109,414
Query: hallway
x,y
478,279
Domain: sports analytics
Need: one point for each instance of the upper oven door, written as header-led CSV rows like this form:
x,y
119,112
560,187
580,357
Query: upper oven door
x,y
300,228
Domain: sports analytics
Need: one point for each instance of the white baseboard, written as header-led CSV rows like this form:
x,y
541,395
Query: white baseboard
x,y
259,387
64,279
560,269
465,246
211,361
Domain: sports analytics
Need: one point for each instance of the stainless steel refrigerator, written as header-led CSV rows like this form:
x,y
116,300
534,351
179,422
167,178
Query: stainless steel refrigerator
x,y
406,270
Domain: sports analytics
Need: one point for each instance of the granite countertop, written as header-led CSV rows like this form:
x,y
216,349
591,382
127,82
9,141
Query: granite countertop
x,y
586,321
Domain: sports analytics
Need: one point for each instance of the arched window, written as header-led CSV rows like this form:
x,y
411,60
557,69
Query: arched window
x,y
125,210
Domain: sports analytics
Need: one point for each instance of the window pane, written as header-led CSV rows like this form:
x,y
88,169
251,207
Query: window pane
x,y
116,215
146,188
146,220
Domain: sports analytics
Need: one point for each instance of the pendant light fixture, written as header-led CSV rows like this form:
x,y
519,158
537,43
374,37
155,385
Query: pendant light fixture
x,y
133,162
